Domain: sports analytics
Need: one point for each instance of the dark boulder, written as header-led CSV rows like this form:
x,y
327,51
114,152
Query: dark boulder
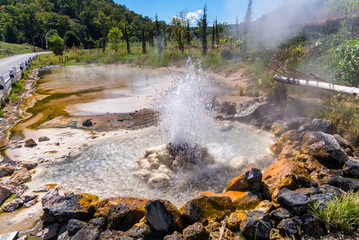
x,y
293,201
26,164
278,215
99,222
287,226
325,148
311,225
351,168
88,233
256,225
139,231
343,142
63,208
163,216
346,184
228,108
49,232
324,126
195,232
30,143
43,139
74,225
321,199
6,169
87,123
329,189
5,192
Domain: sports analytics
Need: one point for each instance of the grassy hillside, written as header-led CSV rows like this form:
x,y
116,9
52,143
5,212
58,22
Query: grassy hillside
x,y
10,49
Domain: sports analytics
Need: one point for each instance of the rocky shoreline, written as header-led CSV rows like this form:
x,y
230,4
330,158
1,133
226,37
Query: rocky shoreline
x,y
313,165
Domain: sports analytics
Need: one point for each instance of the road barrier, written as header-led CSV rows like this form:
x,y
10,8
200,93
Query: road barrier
x,y
14,74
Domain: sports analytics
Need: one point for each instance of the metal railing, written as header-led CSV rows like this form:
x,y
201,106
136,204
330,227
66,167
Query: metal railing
x,y
14,74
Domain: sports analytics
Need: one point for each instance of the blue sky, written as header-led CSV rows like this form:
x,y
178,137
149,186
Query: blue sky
x,y
225,10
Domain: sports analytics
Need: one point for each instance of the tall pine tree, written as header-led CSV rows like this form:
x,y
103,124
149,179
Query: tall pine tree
x,y
248,17
204,31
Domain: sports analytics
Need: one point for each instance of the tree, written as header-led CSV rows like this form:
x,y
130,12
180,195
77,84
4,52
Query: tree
x,y
164,36
213,35
248,17
237,29
217,34
56,44
150,35
188,34
71,40
127,40
178,30
350,8
144,50
9,32
204,31
114,36
49,34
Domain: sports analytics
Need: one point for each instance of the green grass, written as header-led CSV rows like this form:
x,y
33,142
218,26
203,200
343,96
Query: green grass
x,y
10,49
1,113
341,212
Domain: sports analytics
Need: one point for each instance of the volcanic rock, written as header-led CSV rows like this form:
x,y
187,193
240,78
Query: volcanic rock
x,y
256,225
28,198
175,236
30,143
249,180
325,148
206,206
295,202
351,168
278,128
6,169
88,233
26,164
13,205
163,216
252,109
74,225
343,142
287,226
278,215
63,208
100,222
321,199
19,177
346,184
121,213
5,192
87,123
311,225
43,139
329,189
139,231
308,191
324,126
195,232
228,108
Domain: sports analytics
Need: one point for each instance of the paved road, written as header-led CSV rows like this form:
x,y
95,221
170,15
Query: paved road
x,y
14,61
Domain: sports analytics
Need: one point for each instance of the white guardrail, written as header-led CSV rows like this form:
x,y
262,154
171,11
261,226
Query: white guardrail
x,y
14,74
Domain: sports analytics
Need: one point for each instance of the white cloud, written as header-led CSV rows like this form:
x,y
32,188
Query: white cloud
x,y
192,17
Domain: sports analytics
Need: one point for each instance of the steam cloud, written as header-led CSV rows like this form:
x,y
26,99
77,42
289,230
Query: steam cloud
x,y
282,23
286,21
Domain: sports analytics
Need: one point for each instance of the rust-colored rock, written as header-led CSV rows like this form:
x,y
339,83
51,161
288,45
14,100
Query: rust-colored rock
x,y
235,219
121,212
286,173
207,205
247,181
19,177
30,143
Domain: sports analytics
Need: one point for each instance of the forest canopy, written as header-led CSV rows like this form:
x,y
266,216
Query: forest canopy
x,y
28,21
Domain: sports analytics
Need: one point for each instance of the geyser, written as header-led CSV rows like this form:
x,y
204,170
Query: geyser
x,y
186,108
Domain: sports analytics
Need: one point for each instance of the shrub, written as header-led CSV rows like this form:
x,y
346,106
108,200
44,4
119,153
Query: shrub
x,y
340,212
13,97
